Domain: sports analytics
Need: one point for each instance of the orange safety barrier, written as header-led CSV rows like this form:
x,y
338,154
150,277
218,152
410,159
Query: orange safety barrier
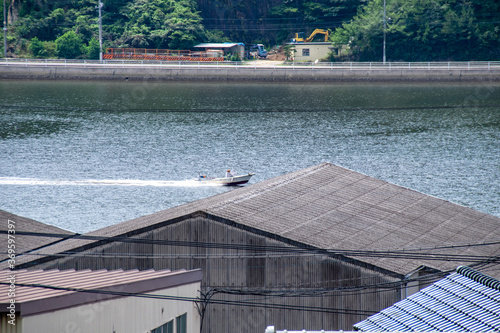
x,y
153,54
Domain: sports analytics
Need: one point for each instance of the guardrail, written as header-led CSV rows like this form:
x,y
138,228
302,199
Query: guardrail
x,y
114,62
471,65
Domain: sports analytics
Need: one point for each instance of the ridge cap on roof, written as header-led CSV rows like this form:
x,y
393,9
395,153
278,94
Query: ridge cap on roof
x,y
478,277
267,185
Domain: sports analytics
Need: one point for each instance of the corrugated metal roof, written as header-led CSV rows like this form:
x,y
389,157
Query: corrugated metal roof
x,y
218,45
330,207
465,301
30,299
25,244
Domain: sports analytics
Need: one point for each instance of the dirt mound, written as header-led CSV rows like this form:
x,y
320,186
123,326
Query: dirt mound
x,y
278,55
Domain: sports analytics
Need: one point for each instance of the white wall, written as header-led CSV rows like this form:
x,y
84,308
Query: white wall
x,y
122,315
316,51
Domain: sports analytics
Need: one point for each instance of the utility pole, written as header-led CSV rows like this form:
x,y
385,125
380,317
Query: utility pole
x,y
385,24
4,30
100,31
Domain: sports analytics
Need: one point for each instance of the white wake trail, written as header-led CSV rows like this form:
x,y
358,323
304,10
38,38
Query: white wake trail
x,y
99,182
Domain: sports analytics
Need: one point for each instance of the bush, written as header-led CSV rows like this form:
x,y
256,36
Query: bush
x,y
69,45
50,49
93,49
37,48
235,57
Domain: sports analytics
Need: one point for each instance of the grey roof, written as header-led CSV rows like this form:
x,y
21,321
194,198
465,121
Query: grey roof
x,y
465,301
25,244
31,299
217,45
310,43
330,207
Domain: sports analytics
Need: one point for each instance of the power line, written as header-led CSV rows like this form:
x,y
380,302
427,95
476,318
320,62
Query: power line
x,y
265,250
266,293
191,299
384,286
233,267
413,253
311,292
279,254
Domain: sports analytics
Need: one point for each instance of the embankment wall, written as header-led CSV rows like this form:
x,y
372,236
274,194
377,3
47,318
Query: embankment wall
x,y
241,73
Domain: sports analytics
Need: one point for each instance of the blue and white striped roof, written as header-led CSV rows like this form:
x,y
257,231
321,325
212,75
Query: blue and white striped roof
x,y
463,301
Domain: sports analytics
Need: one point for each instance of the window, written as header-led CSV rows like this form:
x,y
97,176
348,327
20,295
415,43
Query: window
x,y
181,323
165,328
168,327
305,52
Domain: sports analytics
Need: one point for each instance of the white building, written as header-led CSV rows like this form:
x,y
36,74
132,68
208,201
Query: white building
x,y
223,49
99,301
311,51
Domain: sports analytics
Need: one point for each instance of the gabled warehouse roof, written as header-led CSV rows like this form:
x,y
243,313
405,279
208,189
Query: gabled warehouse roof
x,y
25,244
330,207
465,301
31,300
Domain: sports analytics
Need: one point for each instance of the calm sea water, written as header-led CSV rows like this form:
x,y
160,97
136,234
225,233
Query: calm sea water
x,y
85,155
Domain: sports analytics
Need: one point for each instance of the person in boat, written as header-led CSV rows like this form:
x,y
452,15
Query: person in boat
x,y
228,174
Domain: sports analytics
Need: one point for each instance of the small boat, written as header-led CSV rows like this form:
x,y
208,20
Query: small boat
x,y
226,181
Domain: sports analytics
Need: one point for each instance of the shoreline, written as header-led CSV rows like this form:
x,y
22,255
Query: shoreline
x,y
242,73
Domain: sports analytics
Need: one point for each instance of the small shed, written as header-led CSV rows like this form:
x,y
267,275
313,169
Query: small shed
x,y
311,51
99,301
223,48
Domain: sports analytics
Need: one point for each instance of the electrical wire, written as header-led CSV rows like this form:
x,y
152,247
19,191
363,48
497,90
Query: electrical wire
x,y
295,254
266,293
233,267
191,299
399,254
264,252
301,292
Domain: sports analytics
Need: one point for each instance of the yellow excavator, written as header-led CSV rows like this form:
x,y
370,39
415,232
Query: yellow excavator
x,y
300,36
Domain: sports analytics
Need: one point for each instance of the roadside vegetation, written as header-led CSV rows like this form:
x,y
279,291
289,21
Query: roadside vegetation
x,y
416,30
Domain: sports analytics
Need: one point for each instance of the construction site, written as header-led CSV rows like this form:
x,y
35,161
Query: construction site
x,y
315,45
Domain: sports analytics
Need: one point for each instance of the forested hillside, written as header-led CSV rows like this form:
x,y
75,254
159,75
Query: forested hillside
x,y
416,29
424,30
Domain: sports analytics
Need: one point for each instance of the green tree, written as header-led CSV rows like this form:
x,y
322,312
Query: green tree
x,y
85,26
216,36
184,25
69,45
36,47
93,49
289,51
50,49
162,24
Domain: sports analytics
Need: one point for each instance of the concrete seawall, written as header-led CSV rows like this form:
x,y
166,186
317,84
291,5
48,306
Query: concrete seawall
x,y
240,73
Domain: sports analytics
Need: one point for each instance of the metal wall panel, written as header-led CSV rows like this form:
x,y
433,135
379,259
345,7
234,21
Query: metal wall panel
x,y
253,274
5,327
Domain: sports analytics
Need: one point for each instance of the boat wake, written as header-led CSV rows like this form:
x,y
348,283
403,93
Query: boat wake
x,y
101,182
